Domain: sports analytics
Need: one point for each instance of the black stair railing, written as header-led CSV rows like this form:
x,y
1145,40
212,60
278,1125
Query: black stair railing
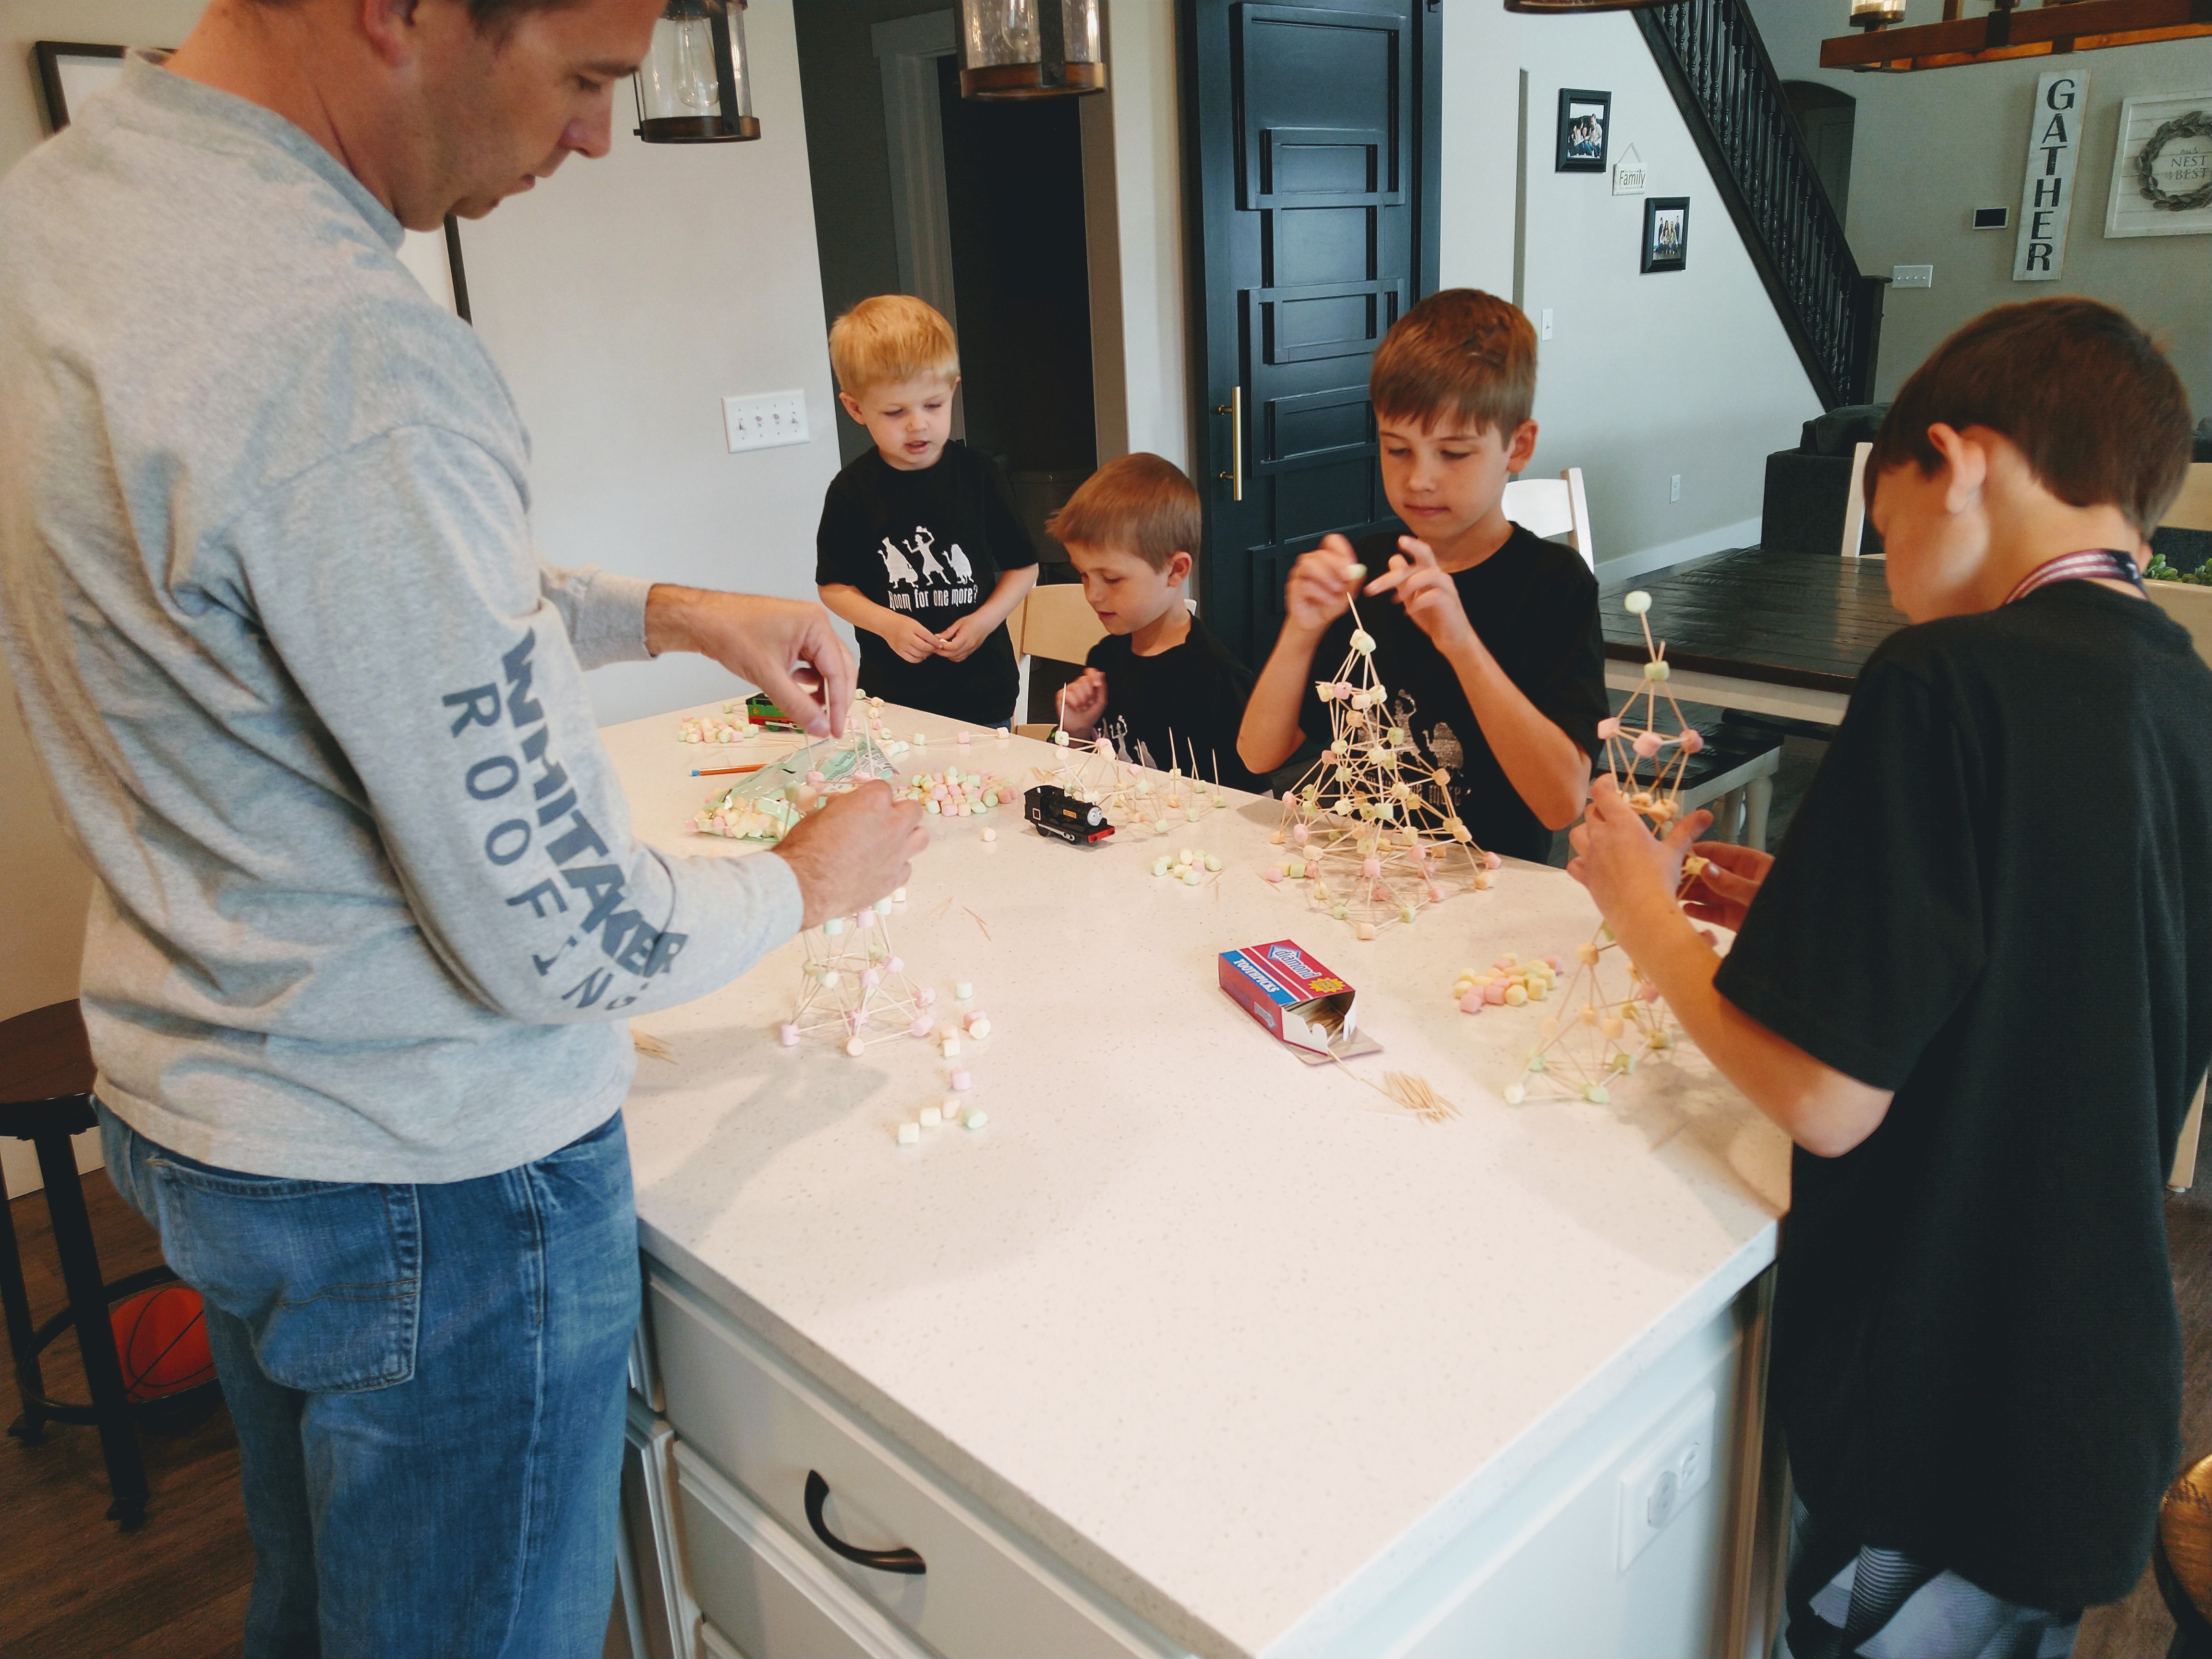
x,y
1714,62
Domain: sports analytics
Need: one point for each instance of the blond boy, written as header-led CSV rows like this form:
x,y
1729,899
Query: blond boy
x,y
919,548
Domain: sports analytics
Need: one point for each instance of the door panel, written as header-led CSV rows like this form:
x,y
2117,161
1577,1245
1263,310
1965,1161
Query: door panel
x,y
1313,160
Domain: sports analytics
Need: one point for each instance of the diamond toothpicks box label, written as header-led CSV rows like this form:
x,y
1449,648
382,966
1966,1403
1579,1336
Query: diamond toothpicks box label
x,y
1291,994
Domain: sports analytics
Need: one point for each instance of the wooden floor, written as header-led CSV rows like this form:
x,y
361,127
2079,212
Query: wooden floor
x,y
71,1584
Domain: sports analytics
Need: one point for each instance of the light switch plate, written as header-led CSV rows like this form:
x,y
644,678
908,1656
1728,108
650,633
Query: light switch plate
x,y
1543,326
1674,486
1659,1484
1913,276
765,420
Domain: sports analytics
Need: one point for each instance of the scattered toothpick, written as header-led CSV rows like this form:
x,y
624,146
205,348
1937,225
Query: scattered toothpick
x,y
1416,1094
980,922
651,1046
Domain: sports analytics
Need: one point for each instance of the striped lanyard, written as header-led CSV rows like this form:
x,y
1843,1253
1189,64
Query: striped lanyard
x,y
2089,565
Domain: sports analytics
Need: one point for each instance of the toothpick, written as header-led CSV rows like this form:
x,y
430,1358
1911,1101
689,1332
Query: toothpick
x,y
980,922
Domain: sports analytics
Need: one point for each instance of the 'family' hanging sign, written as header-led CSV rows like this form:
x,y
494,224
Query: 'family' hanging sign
x,y
2047,196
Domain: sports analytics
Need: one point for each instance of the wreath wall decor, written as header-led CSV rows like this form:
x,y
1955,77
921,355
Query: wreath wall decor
x,y
2162,166
2197,124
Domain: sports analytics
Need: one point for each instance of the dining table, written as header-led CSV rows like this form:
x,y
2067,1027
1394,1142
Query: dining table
x,y
1770,633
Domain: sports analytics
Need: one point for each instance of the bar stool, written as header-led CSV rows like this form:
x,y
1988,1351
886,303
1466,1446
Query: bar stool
x,y
45,1097
2183,1560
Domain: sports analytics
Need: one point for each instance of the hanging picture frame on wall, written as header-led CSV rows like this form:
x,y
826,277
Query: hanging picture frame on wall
x,y
1585,137
2162,168
1666,234
70,71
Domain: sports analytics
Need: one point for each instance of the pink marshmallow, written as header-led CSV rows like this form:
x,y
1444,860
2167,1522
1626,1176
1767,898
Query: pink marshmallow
x,y
1493,993
1650,993
787,1035
1492,860
1608,727
925,998
1371,868
921,1027
1647,745
960,1080
1693,741
1472,1003
896,965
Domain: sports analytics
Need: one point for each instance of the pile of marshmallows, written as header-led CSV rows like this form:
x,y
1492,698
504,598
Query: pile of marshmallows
x,y
953,794
1509,980
705,728
1186,866
951,1109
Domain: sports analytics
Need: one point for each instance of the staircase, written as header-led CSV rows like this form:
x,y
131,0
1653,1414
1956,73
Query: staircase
x,y
1715,63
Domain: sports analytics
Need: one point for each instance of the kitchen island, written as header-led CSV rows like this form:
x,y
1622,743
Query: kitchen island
x,y
1192,1347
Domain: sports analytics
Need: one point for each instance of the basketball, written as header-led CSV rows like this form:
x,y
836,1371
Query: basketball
x,y
160,1337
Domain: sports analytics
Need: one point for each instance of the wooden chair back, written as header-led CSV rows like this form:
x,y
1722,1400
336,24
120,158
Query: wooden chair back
x,y
1055,621
1553,506
2192,508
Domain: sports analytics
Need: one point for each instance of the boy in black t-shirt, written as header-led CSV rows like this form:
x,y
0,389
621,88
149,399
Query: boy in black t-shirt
x,y
919,548
1491,631
1158,673
1976,988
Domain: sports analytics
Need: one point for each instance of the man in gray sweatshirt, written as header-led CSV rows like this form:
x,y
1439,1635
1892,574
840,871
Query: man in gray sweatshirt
x,y
369,918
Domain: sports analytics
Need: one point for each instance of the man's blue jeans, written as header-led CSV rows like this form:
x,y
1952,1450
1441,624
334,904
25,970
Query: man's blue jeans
x,y
428,1385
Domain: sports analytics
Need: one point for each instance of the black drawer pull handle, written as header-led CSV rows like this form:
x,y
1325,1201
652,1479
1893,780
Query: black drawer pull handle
x,y
817,1494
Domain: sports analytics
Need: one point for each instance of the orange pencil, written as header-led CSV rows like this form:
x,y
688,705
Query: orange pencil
x,y
725,771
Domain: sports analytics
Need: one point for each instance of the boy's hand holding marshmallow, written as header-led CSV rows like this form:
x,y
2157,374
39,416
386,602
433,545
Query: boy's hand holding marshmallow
x,y
1082,701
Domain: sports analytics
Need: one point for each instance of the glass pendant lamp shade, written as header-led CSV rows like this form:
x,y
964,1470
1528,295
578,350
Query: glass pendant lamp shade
x,y
1030,48
1876,14
695,86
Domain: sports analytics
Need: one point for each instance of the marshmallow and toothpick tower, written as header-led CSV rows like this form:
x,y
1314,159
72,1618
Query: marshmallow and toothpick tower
x,y
1603,1031
1371,827
855,987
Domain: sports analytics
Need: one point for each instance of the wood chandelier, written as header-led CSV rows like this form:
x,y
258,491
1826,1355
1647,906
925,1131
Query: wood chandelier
x,y
2010,29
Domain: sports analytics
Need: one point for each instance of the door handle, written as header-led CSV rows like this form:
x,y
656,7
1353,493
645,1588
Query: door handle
x,y
817,1493
1235,410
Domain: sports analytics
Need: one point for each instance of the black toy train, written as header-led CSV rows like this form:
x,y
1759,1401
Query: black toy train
x,y
1059,814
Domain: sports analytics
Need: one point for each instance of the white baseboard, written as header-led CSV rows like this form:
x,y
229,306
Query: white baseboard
x,y
1744,533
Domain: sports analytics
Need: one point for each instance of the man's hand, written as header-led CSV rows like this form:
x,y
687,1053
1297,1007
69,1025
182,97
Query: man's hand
x,y
910,639
961,640
1618,858
1321,586
1723,890
852,852
785,647
1082,701
1428,594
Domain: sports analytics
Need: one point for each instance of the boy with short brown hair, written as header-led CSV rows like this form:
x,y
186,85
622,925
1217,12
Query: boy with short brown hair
x,y
1133,531
919,548
1976,988
1491,631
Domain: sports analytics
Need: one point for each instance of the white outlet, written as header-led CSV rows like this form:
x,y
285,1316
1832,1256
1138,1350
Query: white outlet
x,y
1674,487
1913,276
1658,1485
765,420
1544,325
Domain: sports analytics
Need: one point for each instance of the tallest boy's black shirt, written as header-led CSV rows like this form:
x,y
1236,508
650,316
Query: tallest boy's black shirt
x,y
932,545
1997,901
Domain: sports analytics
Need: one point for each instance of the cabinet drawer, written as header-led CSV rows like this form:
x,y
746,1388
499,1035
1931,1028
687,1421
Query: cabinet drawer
x,y
763,1594
758,1419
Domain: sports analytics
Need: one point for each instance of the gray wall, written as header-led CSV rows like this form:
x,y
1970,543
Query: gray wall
x,y
1933,144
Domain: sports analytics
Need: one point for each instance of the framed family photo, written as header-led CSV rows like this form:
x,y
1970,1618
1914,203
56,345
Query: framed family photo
x,y
1666,233
1585,129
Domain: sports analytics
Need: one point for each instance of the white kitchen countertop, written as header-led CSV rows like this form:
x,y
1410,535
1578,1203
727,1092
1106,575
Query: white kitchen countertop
x,y
1240,1340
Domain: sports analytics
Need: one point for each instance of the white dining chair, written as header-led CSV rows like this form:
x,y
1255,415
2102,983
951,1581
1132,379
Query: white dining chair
x,y
1855,503
1553,506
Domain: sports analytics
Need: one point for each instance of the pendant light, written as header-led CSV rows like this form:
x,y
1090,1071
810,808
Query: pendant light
x,y
695,86
1030,48
1876,14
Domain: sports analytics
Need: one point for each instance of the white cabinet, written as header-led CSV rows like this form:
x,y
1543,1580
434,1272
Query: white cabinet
x,y
1578,1556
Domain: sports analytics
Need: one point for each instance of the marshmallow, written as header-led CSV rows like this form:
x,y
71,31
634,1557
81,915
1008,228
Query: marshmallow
x,y
856,1046
787,1035
990,835
976,1118
1637,603
963,990
930,1116
961,1081
909,1134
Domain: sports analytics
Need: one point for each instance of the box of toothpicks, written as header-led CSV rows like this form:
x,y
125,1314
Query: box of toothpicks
x,y
1291,994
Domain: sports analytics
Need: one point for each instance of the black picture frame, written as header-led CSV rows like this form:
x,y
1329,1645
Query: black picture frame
x,y
1580,109
1666,234
46,56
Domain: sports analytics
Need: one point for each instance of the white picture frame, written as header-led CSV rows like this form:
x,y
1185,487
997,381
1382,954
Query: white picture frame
x,y
2127,213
